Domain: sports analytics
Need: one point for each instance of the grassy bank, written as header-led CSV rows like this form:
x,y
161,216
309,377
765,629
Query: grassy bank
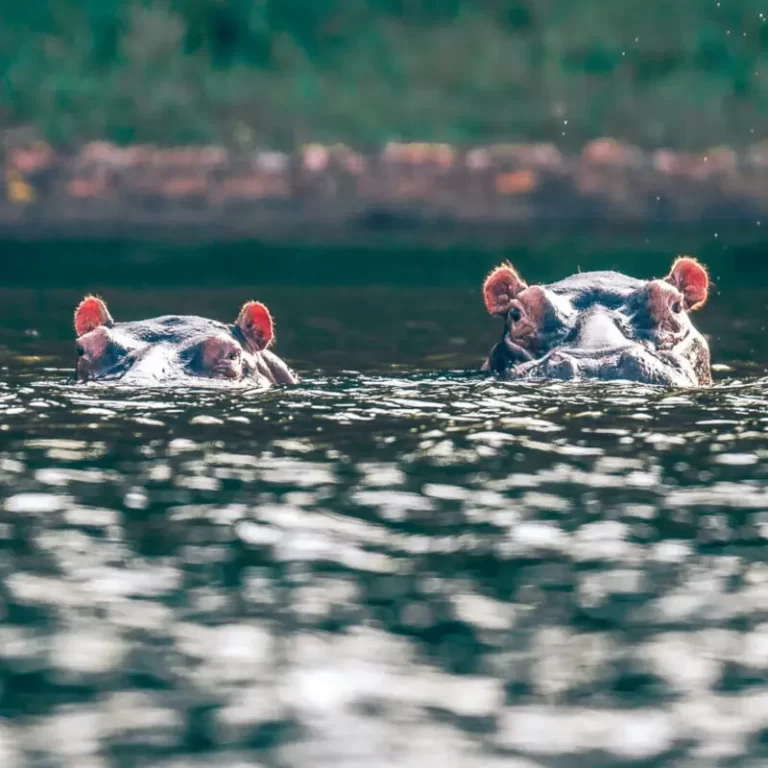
x,y
279,72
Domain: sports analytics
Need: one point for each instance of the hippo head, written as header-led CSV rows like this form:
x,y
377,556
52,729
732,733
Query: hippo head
x,y
172,347
601,325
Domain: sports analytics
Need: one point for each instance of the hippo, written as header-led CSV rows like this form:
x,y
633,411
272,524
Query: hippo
x,y
601,326
177,347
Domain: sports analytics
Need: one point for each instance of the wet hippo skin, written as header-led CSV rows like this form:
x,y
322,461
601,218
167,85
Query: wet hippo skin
x,y
601,325
177,347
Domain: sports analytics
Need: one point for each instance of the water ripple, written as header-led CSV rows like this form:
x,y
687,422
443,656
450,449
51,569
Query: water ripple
x,y
414,569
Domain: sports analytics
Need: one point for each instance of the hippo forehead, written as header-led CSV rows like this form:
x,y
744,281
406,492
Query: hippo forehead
x,y
588,288
176,330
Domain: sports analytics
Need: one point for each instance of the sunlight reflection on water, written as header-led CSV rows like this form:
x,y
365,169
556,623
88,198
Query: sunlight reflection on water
x,y
372,570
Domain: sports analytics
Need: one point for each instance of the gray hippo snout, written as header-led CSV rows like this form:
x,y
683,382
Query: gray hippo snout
x,y
596,331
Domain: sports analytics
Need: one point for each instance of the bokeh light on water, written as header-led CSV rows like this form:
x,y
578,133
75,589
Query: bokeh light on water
x,y
367,569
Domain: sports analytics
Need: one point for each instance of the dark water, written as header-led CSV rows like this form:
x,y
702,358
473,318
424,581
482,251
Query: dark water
x,y
395,563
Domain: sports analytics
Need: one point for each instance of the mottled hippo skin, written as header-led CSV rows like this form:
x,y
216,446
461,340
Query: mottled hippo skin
x,y
173,348
601,325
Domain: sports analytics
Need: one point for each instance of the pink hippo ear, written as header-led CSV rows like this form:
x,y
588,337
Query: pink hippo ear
x,y
691,279
91,313
500,288
255,323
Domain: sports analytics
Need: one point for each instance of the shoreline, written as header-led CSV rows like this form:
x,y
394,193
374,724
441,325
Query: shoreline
x,y
407,191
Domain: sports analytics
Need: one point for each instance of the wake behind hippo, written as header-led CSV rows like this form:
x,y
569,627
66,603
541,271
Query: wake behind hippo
x,y
172,348
601,325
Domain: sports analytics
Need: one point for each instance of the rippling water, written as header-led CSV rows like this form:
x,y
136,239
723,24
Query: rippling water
x,y
391,564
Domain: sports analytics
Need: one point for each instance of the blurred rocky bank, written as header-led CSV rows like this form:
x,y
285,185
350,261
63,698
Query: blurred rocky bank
x,y
336,193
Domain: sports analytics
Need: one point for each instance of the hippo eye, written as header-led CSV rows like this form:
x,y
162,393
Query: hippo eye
x,y
80,350
515,314
234,354
677,307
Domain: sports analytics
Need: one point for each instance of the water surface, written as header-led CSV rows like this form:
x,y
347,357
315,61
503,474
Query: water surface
x,y
398,562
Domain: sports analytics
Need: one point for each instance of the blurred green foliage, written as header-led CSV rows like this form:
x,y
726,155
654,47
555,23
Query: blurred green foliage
x,y
688,73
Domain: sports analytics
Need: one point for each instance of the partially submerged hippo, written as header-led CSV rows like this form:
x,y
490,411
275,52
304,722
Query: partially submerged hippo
x,y
601,325
169,348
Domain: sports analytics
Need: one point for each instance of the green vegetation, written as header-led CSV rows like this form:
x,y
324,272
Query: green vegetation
x,y
688,73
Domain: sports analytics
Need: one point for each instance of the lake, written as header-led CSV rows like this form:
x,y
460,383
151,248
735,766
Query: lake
x,y
398,562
